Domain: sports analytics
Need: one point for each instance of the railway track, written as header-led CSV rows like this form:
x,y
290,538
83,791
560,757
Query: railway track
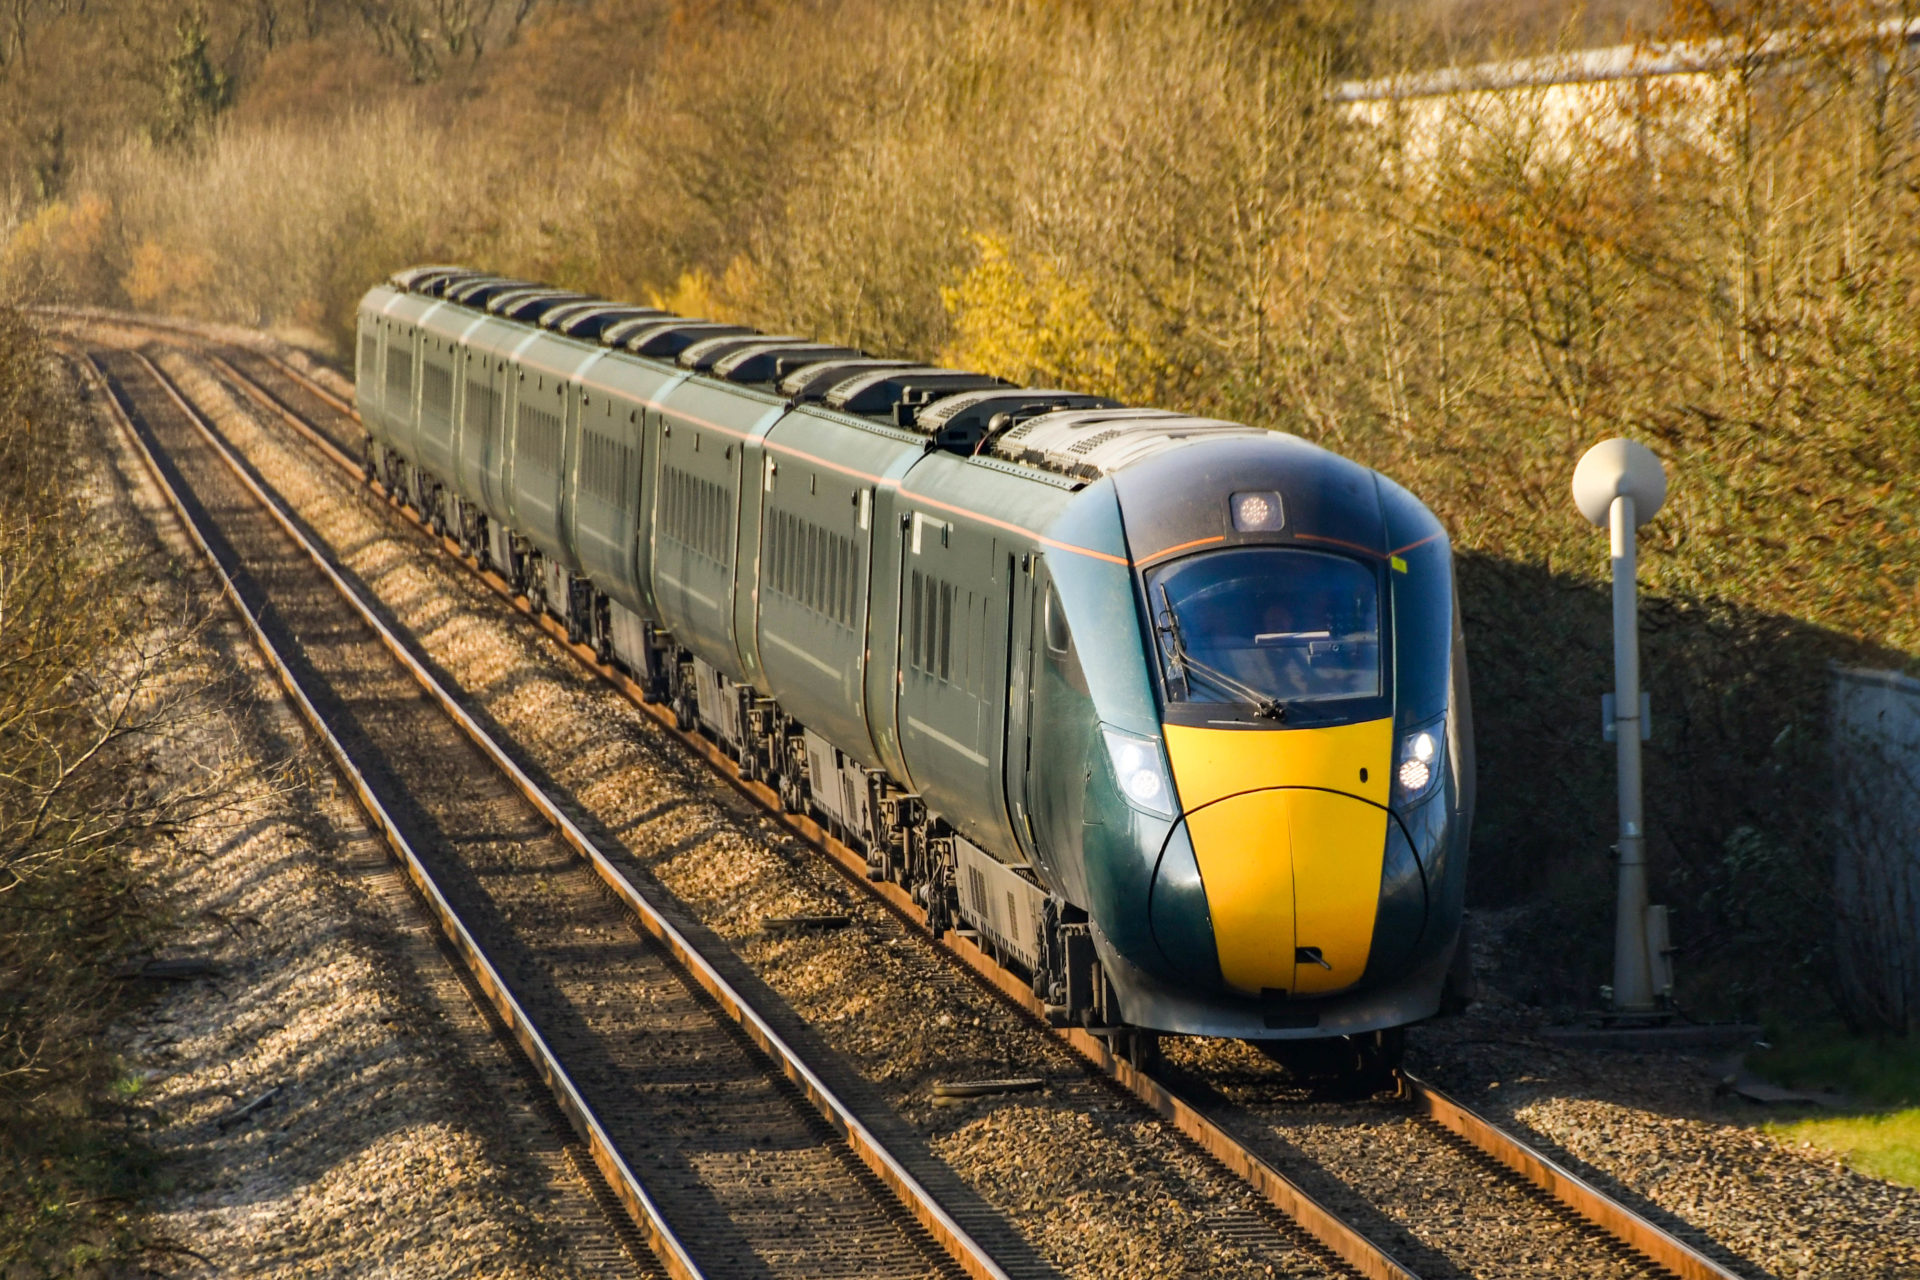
x,y
1306,1157
731,1154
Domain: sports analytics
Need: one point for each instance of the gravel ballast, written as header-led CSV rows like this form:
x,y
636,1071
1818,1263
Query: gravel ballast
x,y
323,1097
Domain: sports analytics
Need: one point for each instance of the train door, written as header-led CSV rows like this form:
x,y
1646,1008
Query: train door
x,y
1047,696
1022,577
951,674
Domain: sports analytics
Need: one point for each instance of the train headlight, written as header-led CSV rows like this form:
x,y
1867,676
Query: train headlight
x,y
1141,770
1416,765
1258,512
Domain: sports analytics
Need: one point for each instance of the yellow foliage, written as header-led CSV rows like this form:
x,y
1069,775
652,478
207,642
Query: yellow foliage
x,y
697,293
57,246
167,280
1030,322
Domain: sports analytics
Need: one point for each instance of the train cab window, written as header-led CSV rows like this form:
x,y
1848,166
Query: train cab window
x,y
1290,635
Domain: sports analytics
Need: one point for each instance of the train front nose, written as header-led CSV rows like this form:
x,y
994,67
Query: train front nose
x,y
1288,835
1292,879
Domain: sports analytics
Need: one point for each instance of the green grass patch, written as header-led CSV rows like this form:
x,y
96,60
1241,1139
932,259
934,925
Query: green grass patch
x,y
1886,1145
1881,1077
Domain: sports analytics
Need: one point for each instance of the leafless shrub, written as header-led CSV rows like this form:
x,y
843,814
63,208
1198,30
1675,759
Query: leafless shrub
x,y
106,750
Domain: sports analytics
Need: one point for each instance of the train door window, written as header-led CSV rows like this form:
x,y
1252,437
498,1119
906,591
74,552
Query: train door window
x,y
1058,640
790,553
437,392
913,620
1061,657
399,374
821,568
843,601
946,630
783,557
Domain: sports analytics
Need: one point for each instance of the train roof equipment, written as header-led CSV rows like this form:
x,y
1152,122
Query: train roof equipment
x,y
528,305
769,361
420,279
443,286
553,317
1090,443
1064,432
664,337
904,392
477,293
669,338
704,354
959,423
592,323
456,289
532,308
812,381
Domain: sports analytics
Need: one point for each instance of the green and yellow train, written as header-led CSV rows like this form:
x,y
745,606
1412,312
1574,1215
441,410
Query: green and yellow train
x,y
1171,712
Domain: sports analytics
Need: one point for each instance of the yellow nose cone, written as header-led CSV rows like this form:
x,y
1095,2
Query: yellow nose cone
x,y
1290,843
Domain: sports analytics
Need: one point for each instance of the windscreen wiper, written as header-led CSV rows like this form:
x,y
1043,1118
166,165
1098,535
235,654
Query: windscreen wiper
x,y
1264,706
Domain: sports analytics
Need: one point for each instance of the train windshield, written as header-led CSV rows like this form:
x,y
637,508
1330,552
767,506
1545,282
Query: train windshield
x,y
1271,630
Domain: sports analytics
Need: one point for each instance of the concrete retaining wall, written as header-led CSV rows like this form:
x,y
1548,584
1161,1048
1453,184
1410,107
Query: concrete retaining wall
x,y
1876,756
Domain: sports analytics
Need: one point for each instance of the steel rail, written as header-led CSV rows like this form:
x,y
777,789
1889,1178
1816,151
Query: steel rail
x,y
626,1185
959,1245
1618,1220
1582,1198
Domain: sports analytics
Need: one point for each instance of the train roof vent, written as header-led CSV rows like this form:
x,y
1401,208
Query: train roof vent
x,y
555,316
443,286
592,323
883,391
478,293
769,361
420,279
666,340
642,329
1088,444
703,355
1094,443
535,305
501,304
959,423
813,380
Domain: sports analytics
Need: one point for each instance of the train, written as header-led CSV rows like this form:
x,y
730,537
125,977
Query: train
x,y
1169,713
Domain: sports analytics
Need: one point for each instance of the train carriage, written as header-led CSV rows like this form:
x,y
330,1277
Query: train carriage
x,y
1171,712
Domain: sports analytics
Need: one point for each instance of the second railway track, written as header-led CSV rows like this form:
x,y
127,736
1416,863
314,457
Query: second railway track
x,y
1548,1222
